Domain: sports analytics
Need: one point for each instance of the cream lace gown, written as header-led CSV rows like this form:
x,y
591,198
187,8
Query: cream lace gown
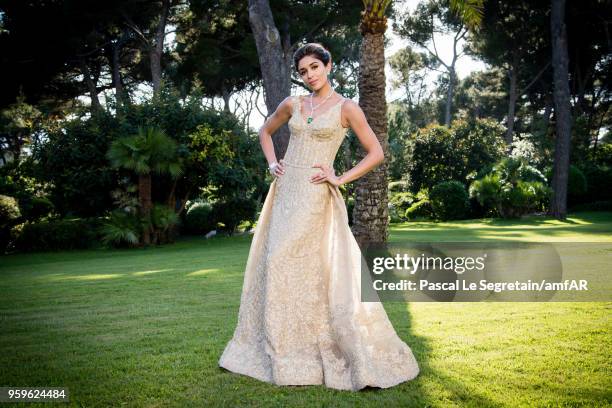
x,y
301,320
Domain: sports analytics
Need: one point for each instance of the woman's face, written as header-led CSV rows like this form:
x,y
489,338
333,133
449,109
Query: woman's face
x,y
313,72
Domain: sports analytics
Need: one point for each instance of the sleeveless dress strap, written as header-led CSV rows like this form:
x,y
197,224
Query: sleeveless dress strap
x,y
340,113
297,102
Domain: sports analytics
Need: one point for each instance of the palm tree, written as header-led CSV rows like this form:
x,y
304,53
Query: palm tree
x,y
370,214
150,150
470,11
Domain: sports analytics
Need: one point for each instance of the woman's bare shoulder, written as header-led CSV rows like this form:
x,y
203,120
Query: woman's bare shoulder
x,y
287,104
349,105
350,111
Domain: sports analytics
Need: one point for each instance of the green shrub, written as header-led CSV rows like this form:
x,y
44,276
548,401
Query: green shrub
x,y
487,192
9,211
395,213
9,216
199,218
438,153
58,235
37,208
527,172
163,219
599,182
399,202
576,185
512,189
524,197
229,213
394,216
602,156
420,209
398,186
476,210
122,229
449,200
511,170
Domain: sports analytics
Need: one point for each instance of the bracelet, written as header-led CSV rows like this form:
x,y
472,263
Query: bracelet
x,y
272,166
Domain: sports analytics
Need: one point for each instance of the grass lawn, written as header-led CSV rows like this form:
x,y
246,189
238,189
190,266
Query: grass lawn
x,y
147,327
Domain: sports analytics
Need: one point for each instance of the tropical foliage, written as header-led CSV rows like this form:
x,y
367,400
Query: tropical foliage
x,y
117,123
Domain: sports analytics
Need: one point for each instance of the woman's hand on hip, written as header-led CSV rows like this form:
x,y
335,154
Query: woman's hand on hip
x,y
327,174
277,169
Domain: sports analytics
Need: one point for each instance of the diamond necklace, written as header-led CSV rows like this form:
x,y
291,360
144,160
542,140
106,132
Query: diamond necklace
x,y
310,118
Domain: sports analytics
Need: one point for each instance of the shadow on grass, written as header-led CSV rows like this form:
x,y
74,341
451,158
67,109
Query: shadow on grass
x,y
402,321
588,224
106,323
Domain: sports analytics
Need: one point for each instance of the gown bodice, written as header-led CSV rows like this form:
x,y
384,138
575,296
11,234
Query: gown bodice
x,y
317,142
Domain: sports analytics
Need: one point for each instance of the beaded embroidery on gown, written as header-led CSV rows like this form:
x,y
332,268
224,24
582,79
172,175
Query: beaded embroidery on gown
x,y
301,321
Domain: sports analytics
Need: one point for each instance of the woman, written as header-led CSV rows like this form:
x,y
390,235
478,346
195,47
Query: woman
x,y
301,319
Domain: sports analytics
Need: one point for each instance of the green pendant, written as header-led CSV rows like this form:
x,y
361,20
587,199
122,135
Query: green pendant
x,y
309,119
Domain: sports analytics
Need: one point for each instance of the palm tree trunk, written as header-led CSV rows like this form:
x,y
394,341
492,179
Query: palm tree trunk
x,y
370,214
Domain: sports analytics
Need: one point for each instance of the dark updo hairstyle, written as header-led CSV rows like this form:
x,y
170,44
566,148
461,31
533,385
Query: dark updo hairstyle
x,y
313,49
